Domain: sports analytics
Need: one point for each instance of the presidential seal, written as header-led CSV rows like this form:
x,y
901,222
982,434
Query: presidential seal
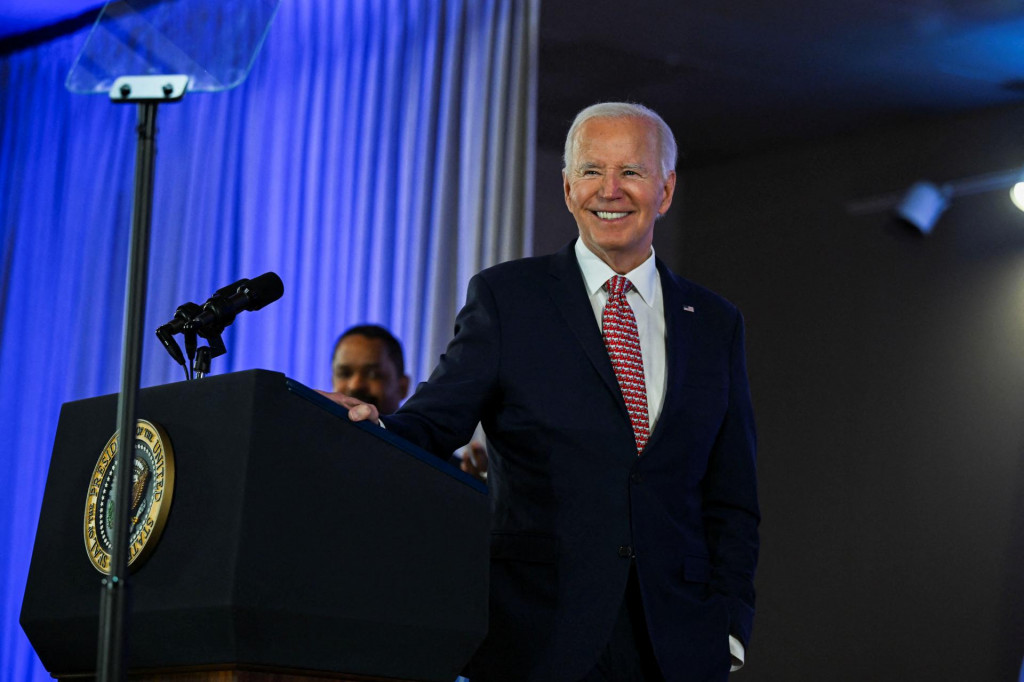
x,y
151,491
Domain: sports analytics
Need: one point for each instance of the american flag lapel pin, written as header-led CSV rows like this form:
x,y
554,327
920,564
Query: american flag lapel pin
x,y
688,308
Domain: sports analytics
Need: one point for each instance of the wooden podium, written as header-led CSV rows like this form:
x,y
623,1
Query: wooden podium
x,y
298,545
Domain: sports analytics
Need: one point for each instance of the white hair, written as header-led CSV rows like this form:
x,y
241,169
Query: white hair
x,y
667,149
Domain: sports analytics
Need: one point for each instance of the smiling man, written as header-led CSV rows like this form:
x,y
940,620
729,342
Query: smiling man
x,y
615,400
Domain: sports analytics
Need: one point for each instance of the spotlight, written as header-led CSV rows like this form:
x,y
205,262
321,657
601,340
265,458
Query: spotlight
x,y
922,205
1017,195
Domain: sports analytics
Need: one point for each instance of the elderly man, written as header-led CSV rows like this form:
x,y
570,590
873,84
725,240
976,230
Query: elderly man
x,y
615,400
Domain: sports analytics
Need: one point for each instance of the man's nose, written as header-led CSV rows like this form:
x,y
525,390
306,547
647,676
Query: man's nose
x,y
610,187
356,381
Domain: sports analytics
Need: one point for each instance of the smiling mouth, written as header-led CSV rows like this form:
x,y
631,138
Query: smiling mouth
x,y
611,215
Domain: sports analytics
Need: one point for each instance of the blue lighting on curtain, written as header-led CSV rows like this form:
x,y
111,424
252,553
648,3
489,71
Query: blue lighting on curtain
x,y
336,164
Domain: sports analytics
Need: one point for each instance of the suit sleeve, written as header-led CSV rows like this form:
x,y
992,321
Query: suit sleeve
x,y
730,506
444,411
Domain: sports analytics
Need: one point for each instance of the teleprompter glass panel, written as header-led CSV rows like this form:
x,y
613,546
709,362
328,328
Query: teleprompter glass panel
x,y
214,42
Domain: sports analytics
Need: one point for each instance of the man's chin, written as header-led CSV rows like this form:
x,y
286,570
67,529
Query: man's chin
x,y
621,244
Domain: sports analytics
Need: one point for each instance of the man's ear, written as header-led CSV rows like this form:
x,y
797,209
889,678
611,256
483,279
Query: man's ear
x,y
670,189
403,386
565,189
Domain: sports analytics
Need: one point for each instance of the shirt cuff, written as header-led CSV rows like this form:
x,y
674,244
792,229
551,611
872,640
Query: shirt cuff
x,y
738,653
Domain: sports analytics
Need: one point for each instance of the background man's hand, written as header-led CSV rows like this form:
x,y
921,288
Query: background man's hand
x,y
358,411
474,461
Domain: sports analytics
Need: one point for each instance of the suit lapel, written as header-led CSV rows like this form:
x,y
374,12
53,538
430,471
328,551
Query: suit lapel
x,y
680,323
569,294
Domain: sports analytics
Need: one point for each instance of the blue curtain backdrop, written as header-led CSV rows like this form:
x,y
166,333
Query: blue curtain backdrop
x,y
378,155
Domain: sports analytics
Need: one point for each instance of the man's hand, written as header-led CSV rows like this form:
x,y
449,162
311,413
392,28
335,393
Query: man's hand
x,y
474,461
358,411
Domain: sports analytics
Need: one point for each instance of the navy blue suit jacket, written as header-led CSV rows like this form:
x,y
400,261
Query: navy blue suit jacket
x,y
572,503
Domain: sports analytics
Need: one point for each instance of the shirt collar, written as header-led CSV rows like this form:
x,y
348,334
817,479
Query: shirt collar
x,y
596,272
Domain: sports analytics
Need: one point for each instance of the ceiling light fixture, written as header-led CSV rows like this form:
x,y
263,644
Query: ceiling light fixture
x,y
923,203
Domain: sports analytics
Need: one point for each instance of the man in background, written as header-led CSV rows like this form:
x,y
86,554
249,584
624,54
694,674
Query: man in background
x,y
368,364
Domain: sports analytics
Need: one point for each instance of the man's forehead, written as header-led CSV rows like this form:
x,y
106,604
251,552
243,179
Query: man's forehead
x,y
360,350
631,137
361,363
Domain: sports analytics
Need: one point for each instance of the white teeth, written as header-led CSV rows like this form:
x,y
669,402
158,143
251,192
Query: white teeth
x,y
608,215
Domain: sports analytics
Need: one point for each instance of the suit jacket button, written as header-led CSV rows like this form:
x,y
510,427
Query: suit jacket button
x,y
625,551
636,478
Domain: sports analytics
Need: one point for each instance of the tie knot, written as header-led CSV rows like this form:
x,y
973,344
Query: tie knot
x,y
618,286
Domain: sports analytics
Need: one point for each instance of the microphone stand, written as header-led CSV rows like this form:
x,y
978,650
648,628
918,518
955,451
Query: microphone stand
x,y
205,353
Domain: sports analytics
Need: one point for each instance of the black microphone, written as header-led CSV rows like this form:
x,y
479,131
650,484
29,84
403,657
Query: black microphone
x,y
225,304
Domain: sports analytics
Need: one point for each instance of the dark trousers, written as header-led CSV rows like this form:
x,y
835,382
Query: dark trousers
x,y
628,657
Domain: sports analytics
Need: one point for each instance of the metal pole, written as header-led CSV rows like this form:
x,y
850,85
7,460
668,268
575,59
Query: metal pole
x,y
114,597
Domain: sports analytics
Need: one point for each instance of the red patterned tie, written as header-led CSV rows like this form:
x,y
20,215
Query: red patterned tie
x,y
618,324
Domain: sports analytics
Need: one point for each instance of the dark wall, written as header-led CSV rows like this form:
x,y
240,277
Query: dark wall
x,y
888,379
